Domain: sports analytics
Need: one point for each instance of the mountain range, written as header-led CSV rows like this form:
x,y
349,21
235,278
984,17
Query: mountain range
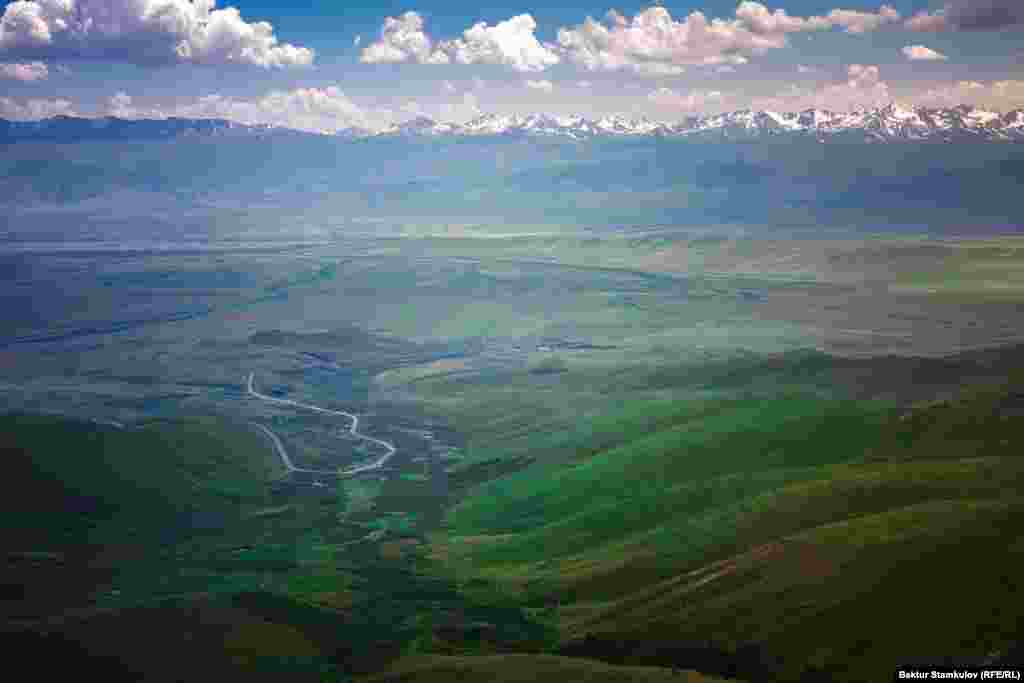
x,y
890,123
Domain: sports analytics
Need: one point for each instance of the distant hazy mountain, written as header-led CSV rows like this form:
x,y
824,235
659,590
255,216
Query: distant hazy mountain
x,y
76,129
174,174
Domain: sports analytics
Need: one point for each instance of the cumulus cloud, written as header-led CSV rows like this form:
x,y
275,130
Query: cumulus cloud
x,y
922,53
862,76
509,43
122,106
34,109
862,89
465,108
543,85
692,101
119,103
998,95
402,39
143,32
26,72
320,110
969,15
316,110
862,22
412,108
654,43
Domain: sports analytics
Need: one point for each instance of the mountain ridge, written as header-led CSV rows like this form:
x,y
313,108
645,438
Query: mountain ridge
x,y
890,123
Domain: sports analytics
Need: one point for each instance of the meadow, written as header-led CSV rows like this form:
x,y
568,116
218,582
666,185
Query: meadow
x,y
671,450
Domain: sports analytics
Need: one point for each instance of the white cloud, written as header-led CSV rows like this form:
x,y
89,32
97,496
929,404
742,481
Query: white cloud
x,y
543,85
861,76
654,43
509,43
759,20
314,110
34,109
26,72
692,101
412,108
862,89
862,22
465,108
317,110
922,53
584,84
402,39
998,95
143,32
122,106
321,110
119,103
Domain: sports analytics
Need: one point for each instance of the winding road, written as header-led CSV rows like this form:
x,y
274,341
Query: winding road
x,y
353,430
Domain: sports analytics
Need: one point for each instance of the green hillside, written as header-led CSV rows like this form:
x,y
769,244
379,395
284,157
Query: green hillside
x,y
830,535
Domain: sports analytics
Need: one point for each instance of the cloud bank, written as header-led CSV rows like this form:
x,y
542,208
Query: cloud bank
x,y
654,43
34,109
1000,95
651,43
509,43
26,73
143,32
316,110
692,101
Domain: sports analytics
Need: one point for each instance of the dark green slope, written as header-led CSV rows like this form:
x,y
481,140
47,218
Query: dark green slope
x,y
127,552
794,535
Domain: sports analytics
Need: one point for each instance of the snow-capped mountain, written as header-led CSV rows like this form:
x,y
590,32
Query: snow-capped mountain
x,y
889,123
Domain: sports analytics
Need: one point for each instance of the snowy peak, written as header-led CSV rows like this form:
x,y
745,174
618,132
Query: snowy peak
x,y
892,122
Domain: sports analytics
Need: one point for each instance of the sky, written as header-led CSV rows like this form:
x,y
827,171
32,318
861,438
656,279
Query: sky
x,y
325,65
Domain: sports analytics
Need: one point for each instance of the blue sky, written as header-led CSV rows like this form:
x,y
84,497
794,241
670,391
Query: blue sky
x,y
325,65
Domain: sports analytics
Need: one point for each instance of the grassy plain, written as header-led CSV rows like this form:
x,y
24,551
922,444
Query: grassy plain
x,y
628,448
